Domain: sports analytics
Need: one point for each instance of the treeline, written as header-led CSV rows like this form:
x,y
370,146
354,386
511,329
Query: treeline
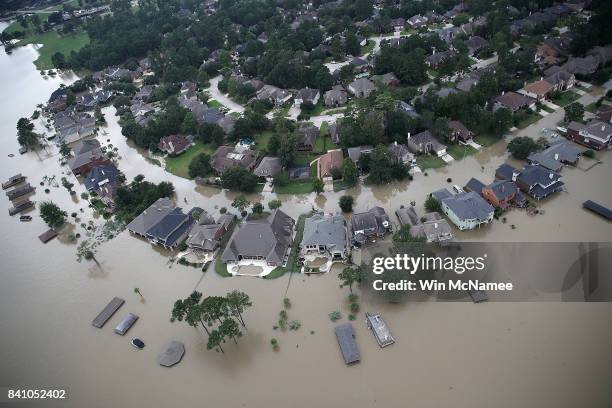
x,y
132,199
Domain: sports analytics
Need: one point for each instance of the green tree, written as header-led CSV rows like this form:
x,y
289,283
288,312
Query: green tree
x,y
274,204
200,166
241,202
346,203
87,251
432,204
574,112
215,338
238,302
239,179
318,186
350,174
521,147
258,208
52,214
229,328
350,276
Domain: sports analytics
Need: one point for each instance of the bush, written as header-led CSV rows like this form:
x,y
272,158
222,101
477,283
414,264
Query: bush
x,y
589,153
346,203
432,204
274,204
335,316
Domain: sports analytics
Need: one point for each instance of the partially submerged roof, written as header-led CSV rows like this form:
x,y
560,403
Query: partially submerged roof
x,y
268,167
327,231
171,354
151,216
345,334
469,206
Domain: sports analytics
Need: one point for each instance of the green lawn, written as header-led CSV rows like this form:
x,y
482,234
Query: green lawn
x,y
294,253
591,107
459,151
529,120
53,42
366,49
213,103
318,108
179,165
295,187
334,110
566,98
261,140
430,162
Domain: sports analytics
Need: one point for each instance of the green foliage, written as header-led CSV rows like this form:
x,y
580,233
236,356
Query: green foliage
x,y
294,325
239,179
200,166
274,204
241,202
318,186
53,216
521,147
335,316
25,134
432,204
350,174
132,199
258,208
574,112
384,168
350,276
346,203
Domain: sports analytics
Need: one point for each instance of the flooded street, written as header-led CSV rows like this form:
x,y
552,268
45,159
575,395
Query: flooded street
x,y
501,354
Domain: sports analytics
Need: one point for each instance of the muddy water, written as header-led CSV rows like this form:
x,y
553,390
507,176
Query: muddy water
x,y
460,354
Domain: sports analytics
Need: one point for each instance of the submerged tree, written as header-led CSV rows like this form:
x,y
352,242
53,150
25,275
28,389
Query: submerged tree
x,y
237,303
350,276
87,251
52,214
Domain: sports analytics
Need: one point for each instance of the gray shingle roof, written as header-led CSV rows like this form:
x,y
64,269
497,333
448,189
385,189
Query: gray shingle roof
x,y
268,167
151,216
326,231
469,206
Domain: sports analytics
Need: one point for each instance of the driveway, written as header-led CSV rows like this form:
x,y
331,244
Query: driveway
x,y
215,94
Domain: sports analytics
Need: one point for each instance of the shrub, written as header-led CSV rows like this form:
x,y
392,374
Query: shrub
x,y
346,203
335,315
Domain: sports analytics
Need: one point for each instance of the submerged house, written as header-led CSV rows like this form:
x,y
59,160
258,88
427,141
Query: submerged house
x,y
426,143
163,223
86,155
345,334
556,156
370,224
431,226
266,239
466,210
534,180
595,134
104,179
326,236
206,234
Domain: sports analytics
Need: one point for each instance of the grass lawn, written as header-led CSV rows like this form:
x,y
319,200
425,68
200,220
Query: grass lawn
x,y
459,151
324,129
261,140
487,140
334,111
294,253
212,103
591,107
566,98
433,73
366,49
547,109
53,42
299,186
430,162
318,108
179,165
529,120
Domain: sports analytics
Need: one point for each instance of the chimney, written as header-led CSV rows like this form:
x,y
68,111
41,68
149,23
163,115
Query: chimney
x,y
550,176
515,175
557,156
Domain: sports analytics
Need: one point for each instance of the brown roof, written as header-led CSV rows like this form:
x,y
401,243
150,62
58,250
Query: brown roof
x,y
541,87
514,100
460,129
226,157
330,160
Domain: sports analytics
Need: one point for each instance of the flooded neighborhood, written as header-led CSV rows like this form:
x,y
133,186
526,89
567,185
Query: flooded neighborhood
x,y
435,354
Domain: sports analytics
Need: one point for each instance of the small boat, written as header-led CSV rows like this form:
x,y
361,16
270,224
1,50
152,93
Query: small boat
x,y
139,344
25,218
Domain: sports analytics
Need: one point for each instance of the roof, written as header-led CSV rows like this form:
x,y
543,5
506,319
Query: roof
x,y
327,231
362,85
151,216
268,238
174,144
307,135
268,167
459,128
371,221
330,160
307,94
535,174
469,206
503,189
601,130
171,354
554,156
441,194
227,156
170,227
355,152
346,339
514,100
541,87
85,146
204,236
425,138
100,175
407,216
335,96
475,185
505,171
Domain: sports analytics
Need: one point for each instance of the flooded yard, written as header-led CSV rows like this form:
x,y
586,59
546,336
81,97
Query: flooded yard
x,y
459,354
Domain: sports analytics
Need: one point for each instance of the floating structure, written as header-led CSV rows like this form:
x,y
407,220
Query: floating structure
x,y
478,296
380,329
107,312
598,209
13,181
125,324
25,218
19,191
20,206
345,334
47,235
171,353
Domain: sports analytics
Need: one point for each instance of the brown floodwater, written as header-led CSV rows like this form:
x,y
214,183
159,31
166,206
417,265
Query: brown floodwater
x,y
505,354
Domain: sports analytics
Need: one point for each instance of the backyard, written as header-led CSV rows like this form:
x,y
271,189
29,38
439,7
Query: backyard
x,y
459,151
430,162
179,165
565,98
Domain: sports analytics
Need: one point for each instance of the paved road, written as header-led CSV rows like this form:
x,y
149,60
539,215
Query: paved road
x,y
215,94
